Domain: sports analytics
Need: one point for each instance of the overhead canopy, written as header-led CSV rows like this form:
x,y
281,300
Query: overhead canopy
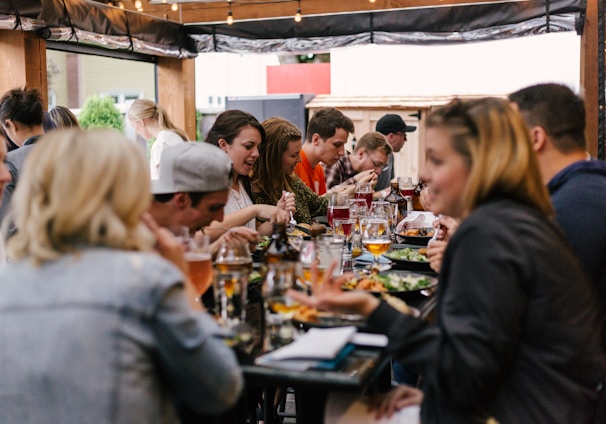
x,y
429,21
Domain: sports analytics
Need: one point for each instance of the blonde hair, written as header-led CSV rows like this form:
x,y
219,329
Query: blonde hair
x,y
492,136
81,188
146,109
372,141
62,117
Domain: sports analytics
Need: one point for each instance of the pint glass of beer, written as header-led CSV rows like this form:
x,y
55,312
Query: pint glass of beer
x,y
198,256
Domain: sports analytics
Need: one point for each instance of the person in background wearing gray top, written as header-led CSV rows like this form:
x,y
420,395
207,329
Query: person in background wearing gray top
x,y
21,116
394,129
97,327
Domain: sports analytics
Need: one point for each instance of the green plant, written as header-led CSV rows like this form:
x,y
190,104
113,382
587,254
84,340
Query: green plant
x,y
100,112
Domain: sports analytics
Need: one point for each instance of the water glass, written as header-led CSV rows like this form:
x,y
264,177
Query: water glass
x,y
233,266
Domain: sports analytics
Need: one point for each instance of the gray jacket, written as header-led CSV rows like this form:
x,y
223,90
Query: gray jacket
x,y
107,336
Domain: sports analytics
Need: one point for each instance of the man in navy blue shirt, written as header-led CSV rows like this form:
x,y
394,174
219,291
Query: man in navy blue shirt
x,y
577,183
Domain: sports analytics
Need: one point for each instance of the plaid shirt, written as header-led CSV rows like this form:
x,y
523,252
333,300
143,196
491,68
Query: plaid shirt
x,y
341,172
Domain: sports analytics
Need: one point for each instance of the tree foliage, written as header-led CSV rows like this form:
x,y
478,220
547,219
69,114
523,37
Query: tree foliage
x,y
100,112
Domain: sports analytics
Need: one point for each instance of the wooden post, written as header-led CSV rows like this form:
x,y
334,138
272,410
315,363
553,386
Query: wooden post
x,y
23,62
177,92
589,76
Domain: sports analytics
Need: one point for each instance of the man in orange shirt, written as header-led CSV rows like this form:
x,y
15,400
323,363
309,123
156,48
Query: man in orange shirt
x,y
327,133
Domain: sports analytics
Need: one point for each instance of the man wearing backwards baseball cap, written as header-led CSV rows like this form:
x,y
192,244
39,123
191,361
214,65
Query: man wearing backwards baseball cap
x,y
193,188
394,129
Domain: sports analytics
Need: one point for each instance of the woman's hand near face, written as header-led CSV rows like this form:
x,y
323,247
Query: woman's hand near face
x,y
236,235
169,247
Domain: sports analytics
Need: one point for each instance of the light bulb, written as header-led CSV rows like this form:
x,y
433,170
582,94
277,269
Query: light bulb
x,y
121,5
138,4
298,16
230,18
174,7
372,1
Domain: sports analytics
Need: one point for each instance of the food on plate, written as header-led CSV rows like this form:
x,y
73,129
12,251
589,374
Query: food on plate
x,y
389,282
418,232
255,277
306,314
409,254
295,232
263,243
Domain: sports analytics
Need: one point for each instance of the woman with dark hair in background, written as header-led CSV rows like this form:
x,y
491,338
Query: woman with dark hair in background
x,y
239,134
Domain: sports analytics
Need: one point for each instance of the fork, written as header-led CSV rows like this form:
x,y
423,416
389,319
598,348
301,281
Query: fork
x,y
293,221
436,231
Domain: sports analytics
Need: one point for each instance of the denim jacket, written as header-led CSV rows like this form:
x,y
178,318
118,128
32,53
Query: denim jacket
x,y
107,336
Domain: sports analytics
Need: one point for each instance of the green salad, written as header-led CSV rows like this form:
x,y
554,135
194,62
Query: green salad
x,y
407,254
395,282
263,243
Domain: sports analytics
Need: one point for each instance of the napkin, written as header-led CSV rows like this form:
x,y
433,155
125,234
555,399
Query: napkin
x,y
416,219
350,408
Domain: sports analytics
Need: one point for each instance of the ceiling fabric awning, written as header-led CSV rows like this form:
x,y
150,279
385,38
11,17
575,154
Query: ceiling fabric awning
x,y
419,26
96,24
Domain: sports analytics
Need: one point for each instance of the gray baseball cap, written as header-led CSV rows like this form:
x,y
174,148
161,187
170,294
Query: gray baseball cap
x,y
192,167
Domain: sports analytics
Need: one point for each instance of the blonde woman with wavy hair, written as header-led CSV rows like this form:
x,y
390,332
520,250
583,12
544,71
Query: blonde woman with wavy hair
x,y
92,319
151,121
518,333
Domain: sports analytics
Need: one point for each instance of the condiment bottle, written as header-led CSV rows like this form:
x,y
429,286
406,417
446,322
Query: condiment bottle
x,y
279,248
416,198
398,203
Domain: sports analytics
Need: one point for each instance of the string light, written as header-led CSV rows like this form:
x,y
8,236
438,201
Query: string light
x,y
372,1
121,5
174,7
298,14
138,4
230,16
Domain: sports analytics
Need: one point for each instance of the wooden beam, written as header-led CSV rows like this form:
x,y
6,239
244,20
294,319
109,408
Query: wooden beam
x,y
216,12
177,92
23,62
589,75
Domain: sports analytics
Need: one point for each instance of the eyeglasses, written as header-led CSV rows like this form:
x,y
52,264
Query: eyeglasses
x,y
376,165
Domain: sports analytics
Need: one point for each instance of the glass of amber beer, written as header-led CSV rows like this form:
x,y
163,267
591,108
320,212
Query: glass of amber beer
x,y
199,258
376,238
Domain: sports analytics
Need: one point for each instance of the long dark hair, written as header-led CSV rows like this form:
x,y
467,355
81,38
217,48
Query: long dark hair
x,y
229,124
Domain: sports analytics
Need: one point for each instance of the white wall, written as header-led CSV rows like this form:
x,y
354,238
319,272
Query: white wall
x,y
487,68
230,74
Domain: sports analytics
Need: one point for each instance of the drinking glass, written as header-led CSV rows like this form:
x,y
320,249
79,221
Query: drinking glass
x,y
364,191
280,277
199,258
357,210
376,238
308,255
344,228
233,265
337,207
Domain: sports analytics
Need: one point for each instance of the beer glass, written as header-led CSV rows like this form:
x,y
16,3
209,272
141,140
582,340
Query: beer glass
x,y
376,238
337,207
199,258
364,191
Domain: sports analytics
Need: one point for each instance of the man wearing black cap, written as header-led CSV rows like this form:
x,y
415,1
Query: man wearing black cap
x,y
394,129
